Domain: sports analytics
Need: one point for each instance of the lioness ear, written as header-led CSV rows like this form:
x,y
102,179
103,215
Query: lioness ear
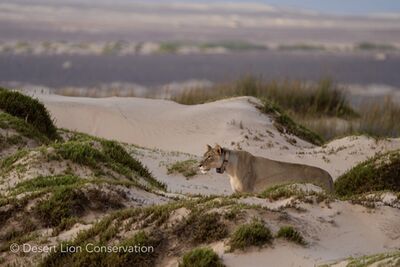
x,y
208,147
218,148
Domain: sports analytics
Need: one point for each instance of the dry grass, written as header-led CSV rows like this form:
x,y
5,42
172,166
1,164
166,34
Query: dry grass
x,y
321,107
322,98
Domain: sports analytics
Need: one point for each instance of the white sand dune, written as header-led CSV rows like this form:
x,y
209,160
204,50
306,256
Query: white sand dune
x,y
160,123
166,125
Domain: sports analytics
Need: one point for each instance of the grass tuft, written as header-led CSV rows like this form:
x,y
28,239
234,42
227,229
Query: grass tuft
x,y
290,234
379,173
285,124
81,153
112,154
46,182
117,153
8,121
64,203
251,234
201,257
28,109
200,227
187,168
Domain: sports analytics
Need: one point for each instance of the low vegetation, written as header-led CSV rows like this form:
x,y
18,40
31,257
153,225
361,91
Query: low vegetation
x,y
28,109
187,168
64,203
23,129
313,111
251,234
381,172
46,183
291,234
111,155
201,257
375,46
200,227
285,124
391,259
323,98
291,190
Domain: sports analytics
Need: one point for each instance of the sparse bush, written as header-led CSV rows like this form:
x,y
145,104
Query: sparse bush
x,y
117,153
112,154
290,234
390,259
285,124
251,234
202,227
8,121
81,153
28,109
7,162
46,182
187,168
379,173
62,204
201,257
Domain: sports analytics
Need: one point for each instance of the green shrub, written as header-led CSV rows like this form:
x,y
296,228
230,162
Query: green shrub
x,y
28,109
285,124
187,168
379,173
290,234
43,182
200,227
201,257
81,153
8,121
251,234
117,153
6,164
112,154
62,204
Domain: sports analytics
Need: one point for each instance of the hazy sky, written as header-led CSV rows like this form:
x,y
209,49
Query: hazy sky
x,y
350,7
333,6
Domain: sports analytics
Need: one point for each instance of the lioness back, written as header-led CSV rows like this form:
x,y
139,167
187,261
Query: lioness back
x,y
270,172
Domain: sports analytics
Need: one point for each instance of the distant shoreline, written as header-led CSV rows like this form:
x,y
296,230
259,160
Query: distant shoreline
x,y
156,70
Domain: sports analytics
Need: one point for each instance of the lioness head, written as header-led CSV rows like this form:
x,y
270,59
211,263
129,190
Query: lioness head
x,y
211,159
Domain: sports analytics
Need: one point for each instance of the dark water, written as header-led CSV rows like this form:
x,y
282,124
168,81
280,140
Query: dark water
x,y
160,69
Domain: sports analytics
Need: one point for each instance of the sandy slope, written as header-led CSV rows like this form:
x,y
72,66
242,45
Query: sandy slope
x,y
160,123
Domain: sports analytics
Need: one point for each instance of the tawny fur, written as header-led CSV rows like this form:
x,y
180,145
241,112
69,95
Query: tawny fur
x,y
249,173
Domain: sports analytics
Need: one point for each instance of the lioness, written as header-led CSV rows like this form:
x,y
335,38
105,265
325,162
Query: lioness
x,y
249,173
